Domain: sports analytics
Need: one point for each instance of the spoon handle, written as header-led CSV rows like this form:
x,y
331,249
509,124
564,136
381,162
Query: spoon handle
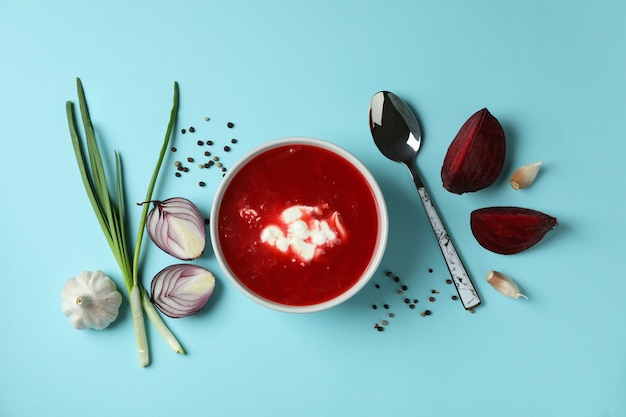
x,y
462,281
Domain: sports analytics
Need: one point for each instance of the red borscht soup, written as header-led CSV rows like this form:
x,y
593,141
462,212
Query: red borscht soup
x,y
298,224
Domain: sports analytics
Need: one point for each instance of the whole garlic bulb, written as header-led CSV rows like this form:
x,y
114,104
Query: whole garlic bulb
x,y
90,299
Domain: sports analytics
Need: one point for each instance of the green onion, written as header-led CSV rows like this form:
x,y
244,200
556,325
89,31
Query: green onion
x,y
108,205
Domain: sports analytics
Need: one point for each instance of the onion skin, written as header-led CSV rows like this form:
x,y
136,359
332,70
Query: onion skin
x,y
176,226
181,290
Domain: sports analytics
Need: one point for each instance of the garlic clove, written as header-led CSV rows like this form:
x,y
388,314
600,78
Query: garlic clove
x,y
523,176
90,300
504,284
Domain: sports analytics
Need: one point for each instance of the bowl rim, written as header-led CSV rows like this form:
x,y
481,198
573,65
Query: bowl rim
x,y
383,225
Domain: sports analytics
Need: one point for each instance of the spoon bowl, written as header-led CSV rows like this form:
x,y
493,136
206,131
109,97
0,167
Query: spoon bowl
x,y
398,136
402,135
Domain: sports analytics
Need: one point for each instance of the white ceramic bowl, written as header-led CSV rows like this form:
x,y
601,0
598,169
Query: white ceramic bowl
x,y
325,181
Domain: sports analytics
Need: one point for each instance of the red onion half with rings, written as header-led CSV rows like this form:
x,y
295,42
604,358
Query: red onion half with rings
x,y
181,290
176,226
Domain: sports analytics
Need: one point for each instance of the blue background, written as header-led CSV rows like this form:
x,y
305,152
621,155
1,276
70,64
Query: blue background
x,y
554,74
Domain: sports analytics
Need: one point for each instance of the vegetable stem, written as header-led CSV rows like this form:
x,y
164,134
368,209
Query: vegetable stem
x,y
140,328
155,174
159,325
110,215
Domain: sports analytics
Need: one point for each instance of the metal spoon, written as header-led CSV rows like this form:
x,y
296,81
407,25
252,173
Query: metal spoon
x,y
398,136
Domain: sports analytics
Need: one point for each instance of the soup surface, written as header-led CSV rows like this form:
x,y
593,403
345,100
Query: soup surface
x,y
298,225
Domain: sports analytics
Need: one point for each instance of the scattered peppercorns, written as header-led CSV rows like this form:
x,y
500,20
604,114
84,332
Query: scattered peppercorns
x,y
209,142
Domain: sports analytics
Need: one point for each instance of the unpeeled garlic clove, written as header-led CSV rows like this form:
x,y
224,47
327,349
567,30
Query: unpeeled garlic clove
x,y
504,284
523,176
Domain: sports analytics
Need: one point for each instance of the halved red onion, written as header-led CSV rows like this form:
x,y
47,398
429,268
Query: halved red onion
x,y
176,226
181,290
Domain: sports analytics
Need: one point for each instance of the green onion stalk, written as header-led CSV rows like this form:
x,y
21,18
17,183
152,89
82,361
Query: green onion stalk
x,y
108,204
